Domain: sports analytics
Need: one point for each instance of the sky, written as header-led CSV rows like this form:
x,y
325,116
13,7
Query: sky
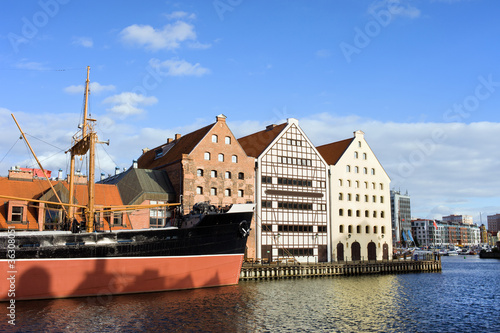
x,y
420,78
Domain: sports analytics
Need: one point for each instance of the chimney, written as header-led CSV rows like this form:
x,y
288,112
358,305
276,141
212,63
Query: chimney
x,y
221,118
134,164
270,127
145,150
117,170
103,176
169,140
177,136
59,174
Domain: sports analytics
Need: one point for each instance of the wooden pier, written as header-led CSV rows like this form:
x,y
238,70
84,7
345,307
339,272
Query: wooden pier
x,y
257,271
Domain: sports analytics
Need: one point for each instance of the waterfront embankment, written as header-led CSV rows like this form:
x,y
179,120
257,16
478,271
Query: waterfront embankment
x,y
253,271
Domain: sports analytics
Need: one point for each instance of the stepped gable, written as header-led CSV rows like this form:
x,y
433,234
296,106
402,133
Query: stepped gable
x,y
174,150
332,152
255,144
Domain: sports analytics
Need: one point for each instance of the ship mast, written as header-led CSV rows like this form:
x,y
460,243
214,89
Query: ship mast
x,y
83,144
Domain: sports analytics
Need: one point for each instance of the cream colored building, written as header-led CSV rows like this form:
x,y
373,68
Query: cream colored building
x,y
360,205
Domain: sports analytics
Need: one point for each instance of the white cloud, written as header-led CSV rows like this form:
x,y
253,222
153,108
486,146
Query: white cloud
x,y
178,68
128,103
83,41
95,87
169,37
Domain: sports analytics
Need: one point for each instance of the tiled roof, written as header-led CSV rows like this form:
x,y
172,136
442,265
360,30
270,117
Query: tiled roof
x,y
255,144
332,152
184,145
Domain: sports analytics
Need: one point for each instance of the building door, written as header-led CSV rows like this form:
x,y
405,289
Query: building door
x,y
372,251
355,251
385,253
322,253
340,252
267,252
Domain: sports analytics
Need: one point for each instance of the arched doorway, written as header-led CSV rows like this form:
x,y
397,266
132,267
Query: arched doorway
x,y
355,251
385,251
340,252
372,251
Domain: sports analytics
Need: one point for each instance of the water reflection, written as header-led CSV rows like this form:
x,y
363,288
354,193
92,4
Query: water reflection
x,y
463,297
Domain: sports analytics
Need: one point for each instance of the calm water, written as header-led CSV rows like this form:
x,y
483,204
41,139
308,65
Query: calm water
x,y
464,297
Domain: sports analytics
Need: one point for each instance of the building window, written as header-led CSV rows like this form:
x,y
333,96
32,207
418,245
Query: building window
x,y
215,138
213,191
157,215
227,192
269,180
348,168
356,185
340,182
228,175
358,229
359,144
241,175
366,185
199,172
199,190
348,183
348,196
366,198
358,213
341,212
373,186
227,140
367,213
373,172
382,215
349,229
374,213
117,218
213,173
17,214
207,156
240,193
375,229
355,154
341,196
381,199
221,157
349,212
356,169
382,229
381,186
367,229
374,198
235,159
364,156
357,197
365,171
341,228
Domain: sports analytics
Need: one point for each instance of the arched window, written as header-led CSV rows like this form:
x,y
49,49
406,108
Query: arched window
x,y
356,169
349,212
227,140
357,213
213,173
341,228
375,229
207,156
349,229
355,154
241,175
235,159
358,229
367,213
199,172
215,138
221,157
341,212
373,171
227,192
341,196
199,190
382,229
228,175
240,193
213,191
348,168
367,229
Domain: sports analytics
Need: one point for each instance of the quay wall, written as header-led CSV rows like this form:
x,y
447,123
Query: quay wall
x,y
252,271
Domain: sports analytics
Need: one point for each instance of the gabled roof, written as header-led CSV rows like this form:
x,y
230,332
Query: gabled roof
x,y
136,185
173,151
332,152
255,144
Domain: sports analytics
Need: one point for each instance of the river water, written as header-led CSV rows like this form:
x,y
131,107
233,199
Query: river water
x,y
464,297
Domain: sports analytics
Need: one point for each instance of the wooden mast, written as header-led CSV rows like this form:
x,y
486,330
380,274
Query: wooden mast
x,y
83,145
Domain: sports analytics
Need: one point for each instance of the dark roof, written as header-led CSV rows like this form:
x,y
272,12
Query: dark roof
x,y
332,152
255,144
173,151
136,185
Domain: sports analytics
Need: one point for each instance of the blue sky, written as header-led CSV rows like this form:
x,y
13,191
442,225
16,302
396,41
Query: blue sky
x,y
420,78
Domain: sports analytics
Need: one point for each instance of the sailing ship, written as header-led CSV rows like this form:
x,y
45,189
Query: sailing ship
x,y
204,248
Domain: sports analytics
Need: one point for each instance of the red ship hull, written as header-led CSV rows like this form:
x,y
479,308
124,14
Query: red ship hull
x,y
102,277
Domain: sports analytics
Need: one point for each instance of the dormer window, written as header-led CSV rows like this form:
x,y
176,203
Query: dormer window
x,y
158,153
